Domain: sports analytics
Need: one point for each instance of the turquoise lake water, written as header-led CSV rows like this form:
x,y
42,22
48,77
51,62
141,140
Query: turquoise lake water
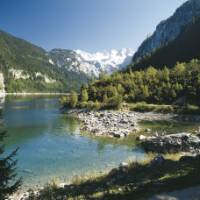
x,y
51,146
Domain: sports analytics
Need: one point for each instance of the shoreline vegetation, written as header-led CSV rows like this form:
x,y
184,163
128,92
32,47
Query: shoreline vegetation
x,y
109,105
178,168
167,90
156,174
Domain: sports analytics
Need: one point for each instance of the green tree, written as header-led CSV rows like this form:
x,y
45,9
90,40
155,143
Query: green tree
x,y
73,99
105,98
165,74
120,89
8,181
115,102
151,74
111,91
84,95
145,92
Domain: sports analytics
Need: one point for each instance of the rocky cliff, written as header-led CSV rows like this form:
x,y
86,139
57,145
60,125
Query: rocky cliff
x,y
91,64
169,29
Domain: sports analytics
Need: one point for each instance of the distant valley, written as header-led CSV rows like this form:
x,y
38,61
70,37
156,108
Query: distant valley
x,y
29,68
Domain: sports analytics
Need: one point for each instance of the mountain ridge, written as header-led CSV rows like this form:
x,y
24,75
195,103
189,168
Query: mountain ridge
x,y
28,67
92,64
182,49
167,30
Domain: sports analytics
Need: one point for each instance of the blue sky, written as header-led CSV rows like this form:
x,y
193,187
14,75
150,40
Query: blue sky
x,y
91,25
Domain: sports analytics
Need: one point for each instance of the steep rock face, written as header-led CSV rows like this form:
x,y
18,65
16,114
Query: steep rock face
x,y
169,29
28,68
184,48
2,86
91,64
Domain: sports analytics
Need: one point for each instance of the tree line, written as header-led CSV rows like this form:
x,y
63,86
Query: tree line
x,y
180,84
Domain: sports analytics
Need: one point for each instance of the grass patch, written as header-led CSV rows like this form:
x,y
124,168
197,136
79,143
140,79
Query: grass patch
x,y
168,126
145,107
138,181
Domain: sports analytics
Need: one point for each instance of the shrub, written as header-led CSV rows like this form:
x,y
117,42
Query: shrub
x,y
144,107
84,95
164,109
188,109
70,101
113,103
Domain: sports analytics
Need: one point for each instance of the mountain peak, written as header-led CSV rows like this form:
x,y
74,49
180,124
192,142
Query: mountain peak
x,y
170,28
92,64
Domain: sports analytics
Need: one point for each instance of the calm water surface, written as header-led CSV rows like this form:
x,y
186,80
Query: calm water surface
x,y
51,145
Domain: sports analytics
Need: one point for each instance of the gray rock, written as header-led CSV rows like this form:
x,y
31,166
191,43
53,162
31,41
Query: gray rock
x,y
169,29
181,142
147,130
158,160
118,135
114,123
123,167
141,138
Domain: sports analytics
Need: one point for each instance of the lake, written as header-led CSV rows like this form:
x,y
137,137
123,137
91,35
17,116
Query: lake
x,y
51,145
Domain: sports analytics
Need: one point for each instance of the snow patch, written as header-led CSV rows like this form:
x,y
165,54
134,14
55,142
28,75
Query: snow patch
x,y
51,62
21,74
107,61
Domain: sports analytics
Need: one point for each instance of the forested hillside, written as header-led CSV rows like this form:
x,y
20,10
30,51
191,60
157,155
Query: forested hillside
x,y
184,48
169,29
180,84
27,68
169,75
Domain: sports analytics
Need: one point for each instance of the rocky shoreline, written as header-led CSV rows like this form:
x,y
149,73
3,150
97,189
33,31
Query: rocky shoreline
x,y
117,124
122,169
120,124
173,143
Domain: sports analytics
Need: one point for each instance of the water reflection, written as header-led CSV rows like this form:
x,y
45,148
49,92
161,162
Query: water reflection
x,y
51,144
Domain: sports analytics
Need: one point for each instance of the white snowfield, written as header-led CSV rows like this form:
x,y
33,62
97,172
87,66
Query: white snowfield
x,y
92,64
107,61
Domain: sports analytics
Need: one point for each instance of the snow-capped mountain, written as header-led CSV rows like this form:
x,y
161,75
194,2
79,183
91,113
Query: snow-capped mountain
x,y
91,64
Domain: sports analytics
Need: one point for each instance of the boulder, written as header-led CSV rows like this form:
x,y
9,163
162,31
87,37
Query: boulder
x,y
123,164
141,138
147,130
123,167
118,135
158,160
181,142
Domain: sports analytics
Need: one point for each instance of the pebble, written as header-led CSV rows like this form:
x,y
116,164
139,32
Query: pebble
x,y
117,124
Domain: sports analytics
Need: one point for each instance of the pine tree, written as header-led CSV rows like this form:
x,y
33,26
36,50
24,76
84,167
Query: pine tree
x,y
84,95
105,98
73,99
8,182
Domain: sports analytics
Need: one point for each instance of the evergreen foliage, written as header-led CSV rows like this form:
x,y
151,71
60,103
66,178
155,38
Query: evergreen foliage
x,y
8,182
19,54
182,49
179,85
